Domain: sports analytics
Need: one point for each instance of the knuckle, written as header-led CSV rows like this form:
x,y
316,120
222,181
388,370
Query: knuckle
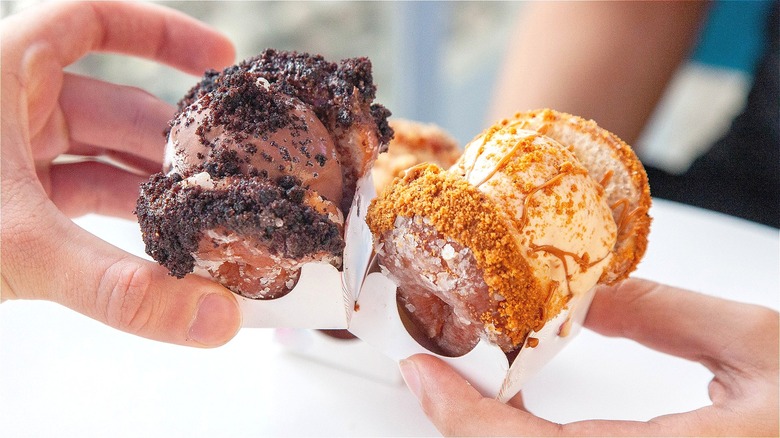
x,y
25,241
125,294
768,319
138,118
767,325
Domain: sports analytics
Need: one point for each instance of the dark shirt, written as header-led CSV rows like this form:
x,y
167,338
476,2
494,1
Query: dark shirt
x,y
740,174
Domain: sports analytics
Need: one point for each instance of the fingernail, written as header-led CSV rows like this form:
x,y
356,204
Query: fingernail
x,y
216,322
411,376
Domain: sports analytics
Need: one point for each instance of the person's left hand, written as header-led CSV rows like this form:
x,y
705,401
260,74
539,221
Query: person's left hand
x,y
47,112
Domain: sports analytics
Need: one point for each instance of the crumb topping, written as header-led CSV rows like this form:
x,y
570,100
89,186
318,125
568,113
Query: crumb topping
x,y
173,218
333,90
245,110
340,95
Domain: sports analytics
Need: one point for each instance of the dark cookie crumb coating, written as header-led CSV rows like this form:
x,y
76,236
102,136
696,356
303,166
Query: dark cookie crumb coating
x,y
328,87
279,113
173,218
246,109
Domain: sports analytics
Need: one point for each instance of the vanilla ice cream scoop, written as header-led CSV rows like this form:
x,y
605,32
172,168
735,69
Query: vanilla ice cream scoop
x,y
562,221
497,245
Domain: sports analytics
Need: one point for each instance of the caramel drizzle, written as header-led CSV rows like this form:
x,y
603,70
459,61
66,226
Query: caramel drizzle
x,y
527,200
501,163
555,251
505,160
582,261
606,178
479,153
626,217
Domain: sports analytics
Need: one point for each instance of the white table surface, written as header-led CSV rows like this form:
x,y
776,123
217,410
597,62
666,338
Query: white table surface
x,y
62,374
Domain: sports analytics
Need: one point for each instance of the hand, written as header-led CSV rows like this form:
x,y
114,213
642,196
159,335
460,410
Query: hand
x,y
47,112
737,342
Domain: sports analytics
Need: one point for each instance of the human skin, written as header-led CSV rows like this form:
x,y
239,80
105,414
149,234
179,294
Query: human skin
x,y
606,61
47,112
737,342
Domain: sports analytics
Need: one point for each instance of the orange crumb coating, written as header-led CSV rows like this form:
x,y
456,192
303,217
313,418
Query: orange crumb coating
x,y
548,203
461,212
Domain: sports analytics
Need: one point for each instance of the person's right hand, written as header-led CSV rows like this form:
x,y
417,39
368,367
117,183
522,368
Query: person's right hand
x,y
737,342
47,112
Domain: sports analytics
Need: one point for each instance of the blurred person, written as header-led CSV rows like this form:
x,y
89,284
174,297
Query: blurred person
x,y
46,113
612,61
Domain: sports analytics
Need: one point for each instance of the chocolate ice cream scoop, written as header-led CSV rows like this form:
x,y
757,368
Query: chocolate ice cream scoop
x,y
259,130
260,169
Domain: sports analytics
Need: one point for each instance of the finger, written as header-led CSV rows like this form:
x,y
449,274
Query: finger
x,y
115,117
46,256
683,323
73,29
733,420
131,163
456,408
94,187
517,402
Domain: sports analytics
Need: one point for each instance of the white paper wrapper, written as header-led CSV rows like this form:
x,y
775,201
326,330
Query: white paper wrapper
x,y
352,356
324,296
377,321
365,304
317,301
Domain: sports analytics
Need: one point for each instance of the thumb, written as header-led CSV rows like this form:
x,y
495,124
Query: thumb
x,y
457,408
47,256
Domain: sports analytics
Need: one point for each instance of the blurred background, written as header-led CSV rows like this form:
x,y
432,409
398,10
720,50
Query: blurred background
x,y
433,61
438,61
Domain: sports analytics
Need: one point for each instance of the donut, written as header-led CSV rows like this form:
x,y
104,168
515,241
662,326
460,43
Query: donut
x,y
414,143
260,167
538,209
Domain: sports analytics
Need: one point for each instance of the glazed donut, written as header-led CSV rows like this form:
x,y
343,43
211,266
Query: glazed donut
x,y
498,244
260,168
414,143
